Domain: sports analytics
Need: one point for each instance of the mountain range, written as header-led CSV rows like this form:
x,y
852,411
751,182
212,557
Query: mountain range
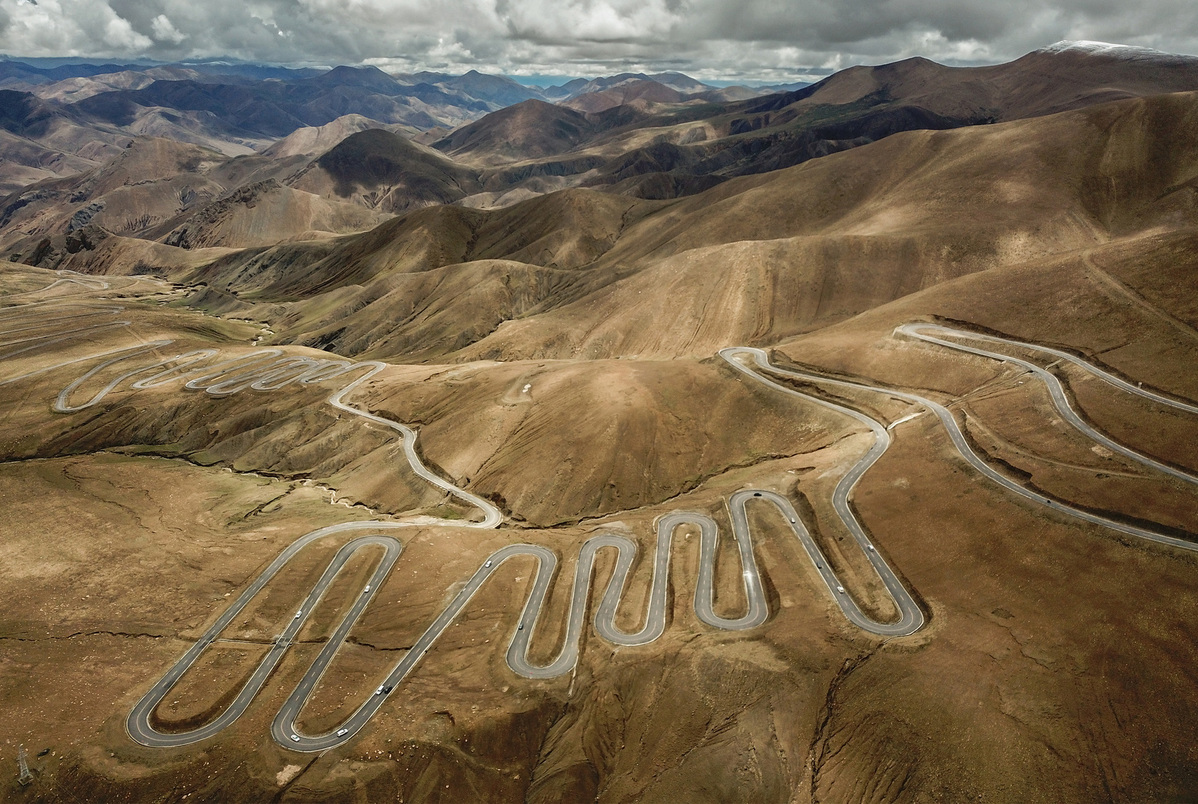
x,y
358,137
550,279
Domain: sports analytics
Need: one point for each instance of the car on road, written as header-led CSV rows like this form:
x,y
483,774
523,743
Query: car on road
x,y
869,547
298,614
488,564
379,691
367,589
342,732
840,589
295,738
520,627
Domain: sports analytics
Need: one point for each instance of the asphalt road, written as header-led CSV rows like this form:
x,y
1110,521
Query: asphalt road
x,y
1057,391
284,727
269,370
911,618
139,723
958,438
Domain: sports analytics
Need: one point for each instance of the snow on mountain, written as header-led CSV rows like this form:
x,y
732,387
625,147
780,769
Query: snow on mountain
x,y
1126,52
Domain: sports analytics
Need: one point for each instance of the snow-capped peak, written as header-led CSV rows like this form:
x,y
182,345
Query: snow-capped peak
x,y
1125,52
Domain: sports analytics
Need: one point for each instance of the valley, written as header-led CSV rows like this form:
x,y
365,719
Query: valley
x,y
650,443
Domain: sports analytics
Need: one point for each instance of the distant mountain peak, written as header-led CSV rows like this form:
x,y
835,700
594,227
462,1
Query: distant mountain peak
x,y
1113,50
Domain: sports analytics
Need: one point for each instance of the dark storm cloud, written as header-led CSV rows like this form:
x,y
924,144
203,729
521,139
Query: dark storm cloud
x,y
739,39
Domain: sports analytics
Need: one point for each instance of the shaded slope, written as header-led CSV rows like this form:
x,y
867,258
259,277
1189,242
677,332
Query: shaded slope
x,y
426,314
753,260
644,93
159,189
316,140
387,172
149,183
274,109
518,262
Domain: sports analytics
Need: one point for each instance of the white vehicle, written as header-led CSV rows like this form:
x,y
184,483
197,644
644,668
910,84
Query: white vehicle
x,y
342,732
367,589
379,691
488,564
299,614
869,547
295,738
792,520
520,627
840,589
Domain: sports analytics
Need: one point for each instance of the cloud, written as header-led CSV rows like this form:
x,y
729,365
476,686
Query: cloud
x,y
119,34
732,39
164,30
567,21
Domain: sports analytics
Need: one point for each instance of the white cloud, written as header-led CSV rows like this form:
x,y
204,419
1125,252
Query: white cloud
x,y
563,21
164,30
731,39
120,34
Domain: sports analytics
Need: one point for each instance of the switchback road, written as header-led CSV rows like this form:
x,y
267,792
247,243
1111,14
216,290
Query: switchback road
x,y
271,370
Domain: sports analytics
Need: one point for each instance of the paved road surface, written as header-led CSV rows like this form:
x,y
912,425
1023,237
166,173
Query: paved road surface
x,y
139,723
1059,399
269,370
911,618
958,438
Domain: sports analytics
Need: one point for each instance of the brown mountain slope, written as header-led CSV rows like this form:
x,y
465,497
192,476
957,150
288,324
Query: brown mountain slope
x,y
316,140
619,434
385,171
149,183
26,162
525,131
45,125
843,234
666,150
642,94
433,282
267,213
568,230
184,195
423,314
755,259
1131,305
1059,78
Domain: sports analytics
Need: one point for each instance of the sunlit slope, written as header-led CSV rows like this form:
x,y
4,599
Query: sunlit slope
x,y
567,231
563,440
176,193
759,259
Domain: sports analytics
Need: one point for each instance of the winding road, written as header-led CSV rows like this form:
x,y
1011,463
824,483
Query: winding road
x,y
957,436
273,369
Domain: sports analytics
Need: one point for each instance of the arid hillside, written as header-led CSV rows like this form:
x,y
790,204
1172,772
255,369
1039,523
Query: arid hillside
x,y
611,450
752,261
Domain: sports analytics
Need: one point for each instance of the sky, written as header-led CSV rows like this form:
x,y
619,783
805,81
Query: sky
x,y
725,40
